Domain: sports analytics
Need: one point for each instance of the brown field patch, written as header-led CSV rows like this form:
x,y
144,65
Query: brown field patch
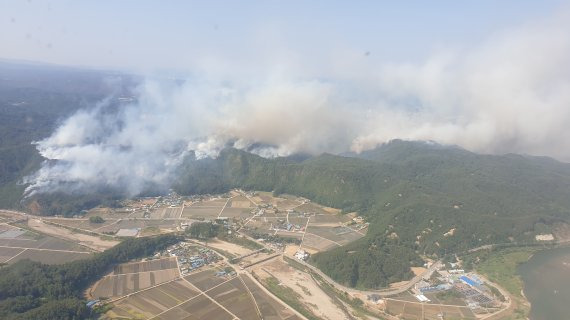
x,y
340,235
233,295
328,218
432,312
229,247
269,307
418,270
157,213
332,210
144,266
7,253
151,302
205,280
123,284
94,242
312,208
50,257
413,311
301,221
201,212
219,203
172,212
240,202
293,235
395,307
198,308
42,242
236,213
73,223
96,226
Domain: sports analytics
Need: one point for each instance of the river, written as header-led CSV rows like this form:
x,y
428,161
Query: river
x,y
546,279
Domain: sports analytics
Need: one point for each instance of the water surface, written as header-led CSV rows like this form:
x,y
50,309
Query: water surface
x,y
546,279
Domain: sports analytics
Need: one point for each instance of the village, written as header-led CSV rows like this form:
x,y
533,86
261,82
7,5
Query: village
x,y
262,235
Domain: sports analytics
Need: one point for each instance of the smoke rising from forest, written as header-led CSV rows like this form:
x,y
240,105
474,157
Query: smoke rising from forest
x,y
510,93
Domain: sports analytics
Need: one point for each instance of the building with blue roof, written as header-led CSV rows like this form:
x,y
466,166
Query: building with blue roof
x,y
468,281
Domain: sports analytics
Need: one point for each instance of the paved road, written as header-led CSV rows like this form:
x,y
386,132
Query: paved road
x,y
381,292
39,249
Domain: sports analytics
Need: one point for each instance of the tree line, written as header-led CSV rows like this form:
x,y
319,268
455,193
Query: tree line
x,y
33,290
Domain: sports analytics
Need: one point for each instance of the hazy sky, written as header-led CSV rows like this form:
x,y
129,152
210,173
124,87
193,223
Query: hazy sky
x,y
194,35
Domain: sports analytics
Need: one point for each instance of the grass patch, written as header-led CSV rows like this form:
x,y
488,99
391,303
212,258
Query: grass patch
x,y
32,235
450,297
224,253
242,241
501,267
150,231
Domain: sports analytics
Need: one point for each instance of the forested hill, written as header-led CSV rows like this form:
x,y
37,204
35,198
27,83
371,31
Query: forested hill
x,y
418,197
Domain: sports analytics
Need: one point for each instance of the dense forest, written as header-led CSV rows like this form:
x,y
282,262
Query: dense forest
x,y
32,290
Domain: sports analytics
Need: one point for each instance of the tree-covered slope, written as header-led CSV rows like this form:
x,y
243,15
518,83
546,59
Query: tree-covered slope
x,y
419,198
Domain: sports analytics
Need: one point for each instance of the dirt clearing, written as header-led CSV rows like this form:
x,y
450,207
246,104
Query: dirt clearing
x,y
310,294
92,242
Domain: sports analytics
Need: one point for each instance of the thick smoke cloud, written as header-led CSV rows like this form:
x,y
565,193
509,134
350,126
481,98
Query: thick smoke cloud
x,y
509,94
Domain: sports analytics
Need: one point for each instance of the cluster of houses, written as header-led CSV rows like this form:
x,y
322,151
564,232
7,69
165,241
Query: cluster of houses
x,y
190,257
283,225
357,223
171,200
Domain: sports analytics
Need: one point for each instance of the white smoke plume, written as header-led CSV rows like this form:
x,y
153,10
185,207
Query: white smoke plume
x,y
509,94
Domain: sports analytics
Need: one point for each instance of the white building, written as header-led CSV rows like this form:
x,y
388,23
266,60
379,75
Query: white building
x,y
301,255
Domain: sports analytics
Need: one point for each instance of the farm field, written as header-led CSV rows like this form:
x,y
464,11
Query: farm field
x,y
17,244
144,266
123,284
201,212
113,226
317,244
235,297
318,228
48,256
236,212
154,289
206,279
131,277
420,311
240,201
166,213
151,302
195,298
200,307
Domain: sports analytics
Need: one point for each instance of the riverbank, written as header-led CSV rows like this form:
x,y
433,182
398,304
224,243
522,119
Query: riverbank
x,y
546,278
500,267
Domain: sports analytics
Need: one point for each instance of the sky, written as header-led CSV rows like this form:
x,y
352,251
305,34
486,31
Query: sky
x,y
189,36
282,77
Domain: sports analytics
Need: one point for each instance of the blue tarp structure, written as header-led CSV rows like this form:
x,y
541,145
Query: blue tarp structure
x,y
468,281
